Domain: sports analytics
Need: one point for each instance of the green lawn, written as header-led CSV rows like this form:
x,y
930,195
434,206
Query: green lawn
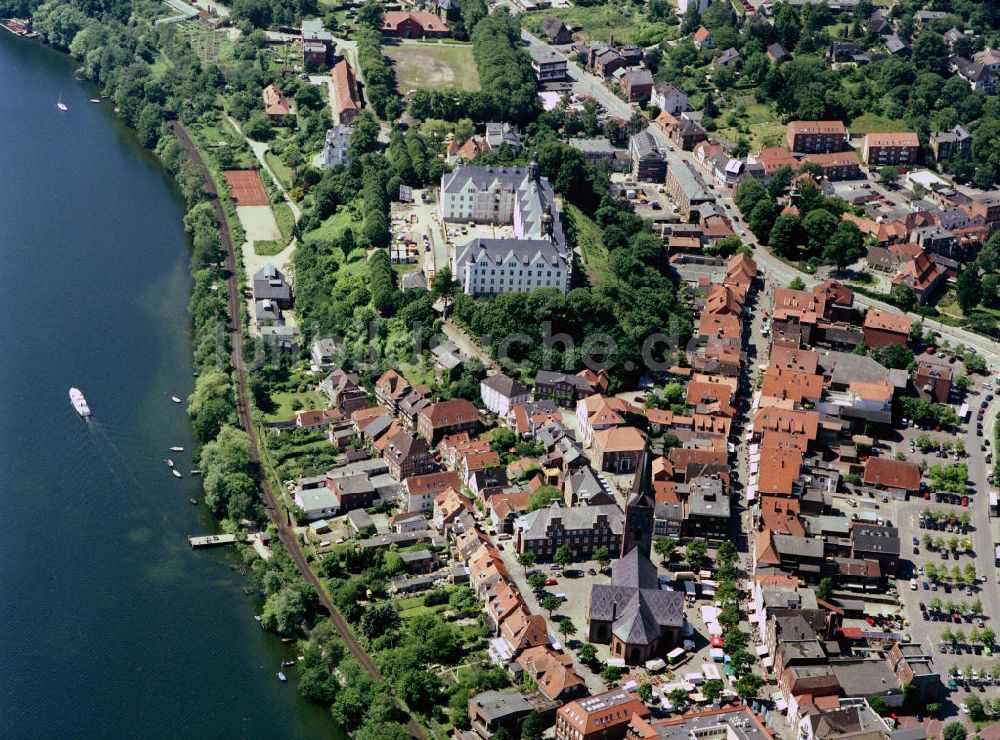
x,y
284,408
432,66
330,229
759,124
624,23
592,250
267,248
871,123
285,218
280,169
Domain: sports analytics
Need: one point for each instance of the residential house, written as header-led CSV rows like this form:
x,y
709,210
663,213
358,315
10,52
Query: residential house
x,y
882,328
314,421
502,134
415,24
501,393
316,42
686,189
407,456
922,275
447,417
595,413
836,165
728,57
346,102
420,491
390,389
686,133
270,284
669,98
601,716
637,84
276,105
933,381
703,38
565,389
556,31
876,542
777,53
913,665
954,142
551,672
352,491
648,162
408,521
801,556
898,478
453,512
548,64
505,508
491,711
324,353
336,146
600,151
585,487
344,391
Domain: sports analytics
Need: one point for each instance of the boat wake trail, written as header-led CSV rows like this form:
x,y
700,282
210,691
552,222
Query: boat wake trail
x,y
115,461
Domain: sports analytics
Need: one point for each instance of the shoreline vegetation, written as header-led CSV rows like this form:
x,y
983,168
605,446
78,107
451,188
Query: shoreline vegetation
x,y
118,50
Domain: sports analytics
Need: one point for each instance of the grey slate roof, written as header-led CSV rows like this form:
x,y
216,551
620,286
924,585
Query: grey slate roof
x,y
534,193
644,147
634,570
536,524
845,367
496,705
505,385
268,282
498,251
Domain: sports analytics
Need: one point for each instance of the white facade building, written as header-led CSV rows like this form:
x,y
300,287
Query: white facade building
x,y
485,267
501,393
516,196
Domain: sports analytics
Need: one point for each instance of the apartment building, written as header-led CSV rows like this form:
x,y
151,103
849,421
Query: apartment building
x,y
816,137
890,149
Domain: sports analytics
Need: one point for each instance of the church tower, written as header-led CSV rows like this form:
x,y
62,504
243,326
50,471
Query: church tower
x,y
639,509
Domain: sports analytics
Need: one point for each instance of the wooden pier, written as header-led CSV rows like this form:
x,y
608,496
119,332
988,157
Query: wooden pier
x,y
211,540
259,541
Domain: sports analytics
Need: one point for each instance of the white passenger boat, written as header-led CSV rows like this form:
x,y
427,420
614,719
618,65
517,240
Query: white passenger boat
x,y
79,402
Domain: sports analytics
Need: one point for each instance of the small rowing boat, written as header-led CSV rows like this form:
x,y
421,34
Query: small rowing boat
x,y
177,449
282,677
175,399
94,100
169,462
176,472
193,501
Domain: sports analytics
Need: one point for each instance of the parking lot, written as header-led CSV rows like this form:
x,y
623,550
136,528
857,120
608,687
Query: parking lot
x,y
947,549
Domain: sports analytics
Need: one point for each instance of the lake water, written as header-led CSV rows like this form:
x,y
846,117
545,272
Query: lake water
x,y
110,626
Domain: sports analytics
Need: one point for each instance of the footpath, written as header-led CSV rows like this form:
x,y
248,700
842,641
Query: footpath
x,y
280,517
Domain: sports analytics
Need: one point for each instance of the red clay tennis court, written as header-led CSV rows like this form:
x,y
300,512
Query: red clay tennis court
x,y
246,187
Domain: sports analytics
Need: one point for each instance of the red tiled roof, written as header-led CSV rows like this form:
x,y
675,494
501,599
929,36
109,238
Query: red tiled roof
x,y
451,413
887,321
891,473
